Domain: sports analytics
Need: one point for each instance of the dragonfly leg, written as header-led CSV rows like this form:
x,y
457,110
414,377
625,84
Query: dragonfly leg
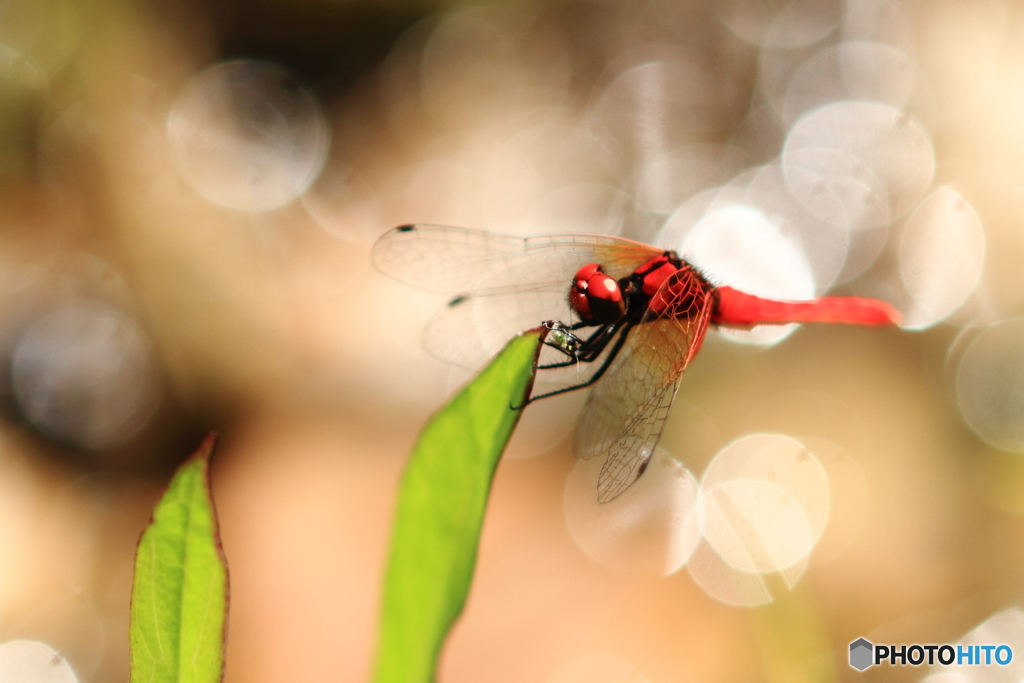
x,y
564,364
580,350
600,371
561,338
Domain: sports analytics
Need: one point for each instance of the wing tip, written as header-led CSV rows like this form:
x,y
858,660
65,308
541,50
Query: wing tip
x,y
608,494
609,488
407,227
610,485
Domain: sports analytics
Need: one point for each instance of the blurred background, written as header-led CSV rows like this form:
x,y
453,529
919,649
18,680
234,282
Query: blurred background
x,y
189,191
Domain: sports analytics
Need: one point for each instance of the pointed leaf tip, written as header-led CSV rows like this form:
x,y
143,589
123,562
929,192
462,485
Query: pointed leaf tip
x,y
440,511
179,595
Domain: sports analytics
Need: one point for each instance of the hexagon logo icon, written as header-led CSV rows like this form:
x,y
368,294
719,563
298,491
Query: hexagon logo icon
x,y
861,654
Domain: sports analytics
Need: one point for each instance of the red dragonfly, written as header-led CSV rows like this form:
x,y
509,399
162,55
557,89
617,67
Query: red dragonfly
x,y
626,313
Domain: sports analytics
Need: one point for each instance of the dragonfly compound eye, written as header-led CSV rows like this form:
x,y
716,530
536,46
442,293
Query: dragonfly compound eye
x,y
578,292
586,272
596,296
604,299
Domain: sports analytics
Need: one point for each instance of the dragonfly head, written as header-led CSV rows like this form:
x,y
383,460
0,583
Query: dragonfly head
x,y
596,297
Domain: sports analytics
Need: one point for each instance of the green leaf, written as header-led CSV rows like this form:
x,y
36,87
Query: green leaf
x,y
179,604
440,513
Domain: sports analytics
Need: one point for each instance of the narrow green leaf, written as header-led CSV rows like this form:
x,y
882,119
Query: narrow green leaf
x,y
440,513
179,598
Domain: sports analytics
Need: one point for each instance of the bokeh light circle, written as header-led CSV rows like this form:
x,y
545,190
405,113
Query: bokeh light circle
x,y
83,373
1003,628
941,256
725,583
344,204
470,66
29,661
667,179
990,385
649,530
889,142
756,235
780,23
853,70
829,183
742,247
659,104
755,525
244,136
764,502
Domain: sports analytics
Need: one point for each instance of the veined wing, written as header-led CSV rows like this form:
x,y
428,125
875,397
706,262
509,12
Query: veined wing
x,y
471,329
627,409
459,261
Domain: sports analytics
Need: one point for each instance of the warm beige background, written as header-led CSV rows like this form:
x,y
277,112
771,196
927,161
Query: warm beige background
x,y
273,328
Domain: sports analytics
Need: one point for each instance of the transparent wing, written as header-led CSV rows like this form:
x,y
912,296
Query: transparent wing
x,y
471,329
503,285
626,411
460,261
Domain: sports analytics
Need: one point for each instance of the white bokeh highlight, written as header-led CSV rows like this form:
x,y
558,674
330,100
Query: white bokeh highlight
x,y
725,583
831,183
1002,628
29,661
244,136
666,180
780,23
650,530
742,247
941,257
764,502
990,385
756,526
854,70
758,511
891,143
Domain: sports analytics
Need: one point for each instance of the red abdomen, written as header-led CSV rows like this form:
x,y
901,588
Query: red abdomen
x,y
734,308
